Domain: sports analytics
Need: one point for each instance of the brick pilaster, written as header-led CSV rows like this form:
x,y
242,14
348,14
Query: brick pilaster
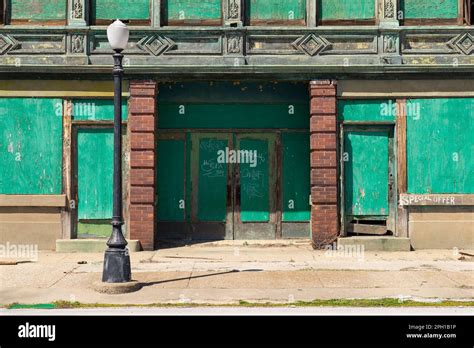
x,y
324,192
142,117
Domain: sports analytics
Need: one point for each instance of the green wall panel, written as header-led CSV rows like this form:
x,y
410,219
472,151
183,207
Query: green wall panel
x,y
121,9
279,10
208,116
96,109
212,187
346,9
296,177
38,10
413,9
30,146
192,10
366,110
366,173
440,147
254,181
95,173
170,180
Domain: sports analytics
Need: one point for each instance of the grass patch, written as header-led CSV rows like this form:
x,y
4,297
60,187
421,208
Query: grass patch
x,y
363,303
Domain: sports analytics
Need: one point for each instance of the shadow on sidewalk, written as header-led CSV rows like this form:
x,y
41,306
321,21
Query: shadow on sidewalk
x,y
144,284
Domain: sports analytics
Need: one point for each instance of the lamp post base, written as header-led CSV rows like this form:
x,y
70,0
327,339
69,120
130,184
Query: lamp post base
x,y
117,267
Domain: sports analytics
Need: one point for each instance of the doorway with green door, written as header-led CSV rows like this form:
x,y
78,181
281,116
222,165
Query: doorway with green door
x,y
233,165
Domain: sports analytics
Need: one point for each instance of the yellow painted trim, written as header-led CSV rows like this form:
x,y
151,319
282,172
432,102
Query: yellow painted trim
x,y
405,88
60,89
32,200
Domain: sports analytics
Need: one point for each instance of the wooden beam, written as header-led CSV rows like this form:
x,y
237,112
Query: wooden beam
x,y
401,130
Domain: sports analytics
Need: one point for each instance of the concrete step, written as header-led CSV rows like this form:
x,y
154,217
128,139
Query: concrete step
x,y
90,245
377,243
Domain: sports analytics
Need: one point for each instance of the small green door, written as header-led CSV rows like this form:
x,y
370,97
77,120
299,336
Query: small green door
x,y
368,175
94,181
255,187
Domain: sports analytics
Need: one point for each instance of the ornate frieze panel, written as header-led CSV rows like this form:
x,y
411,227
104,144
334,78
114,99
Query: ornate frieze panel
x,y
234,44
443,43
39,44
156,44
233,12
272,44
463,43
351,44
311,44
7,44
77,12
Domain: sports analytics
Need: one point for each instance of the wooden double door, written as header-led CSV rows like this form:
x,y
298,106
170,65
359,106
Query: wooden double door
x,y
213,186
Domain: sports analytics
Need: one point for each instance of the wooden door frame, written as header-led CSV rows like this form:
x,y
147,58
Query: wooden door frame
x,y
392,167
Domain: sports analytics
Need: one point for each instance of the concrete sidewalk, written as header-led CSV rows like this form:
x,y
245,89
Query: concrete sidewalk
x,y
226,273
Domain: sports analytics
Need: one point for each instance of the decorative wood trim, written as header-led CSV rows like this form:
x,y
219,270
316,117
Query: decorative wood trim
x,y
67,214
402,147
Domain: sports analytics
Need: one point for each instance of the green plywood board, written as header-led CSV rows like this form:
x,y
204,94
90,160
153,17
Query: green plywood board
x,y
207,116
96,109
95,173
276,10
212,180
170,180
94,229
30,146
254,182
346,9
38,10
296,177
192,10
366,173
440,147
366,110
413,9
121,9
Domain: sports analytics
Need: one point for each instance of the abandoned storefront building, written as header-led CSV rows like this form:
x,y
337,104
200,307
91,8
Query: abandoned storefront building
x,y
329,120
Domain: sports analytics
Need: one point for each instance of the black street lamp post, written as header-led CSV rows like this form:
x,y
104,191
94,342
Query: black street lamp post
x,y
117,259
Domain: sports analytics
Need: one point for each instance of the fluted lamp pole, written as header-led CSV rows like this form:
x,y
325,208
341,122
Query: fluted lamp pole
x,y
117,259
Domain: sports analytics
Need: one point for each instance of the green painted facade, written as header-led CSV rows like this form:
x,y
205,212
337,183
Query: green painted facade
x,y
38,10
170,176
275,10
121,9
366,171
414,9
95,173
182,10
345,9
374,110
96,109
296,190
440,146
30,146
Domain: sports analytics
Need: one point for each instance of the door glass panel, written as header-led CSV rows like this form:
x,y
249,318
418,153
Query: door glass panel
x,y
366,173
254,176
212,187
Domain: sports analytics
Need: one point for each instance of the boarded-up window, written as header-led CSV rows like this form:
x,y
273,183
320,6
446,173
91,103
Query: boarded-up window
x,y
51,11
340,11
287,12
192,12
30,146
133,11
427,11
440,146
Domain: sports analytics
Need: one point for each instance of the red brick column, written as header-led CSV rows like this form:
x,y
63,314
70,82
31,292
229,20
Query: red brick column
x,y
324,192
142,114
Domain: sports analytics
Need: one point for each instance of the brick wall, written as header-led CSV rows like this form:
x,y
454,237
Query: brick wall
x,y
324,192
142,114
